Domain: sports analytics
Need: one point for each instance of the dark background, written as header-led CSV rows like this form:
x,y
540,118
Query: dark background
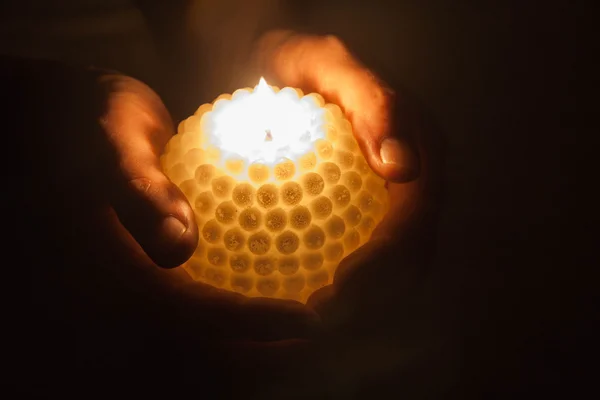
x,y
497,314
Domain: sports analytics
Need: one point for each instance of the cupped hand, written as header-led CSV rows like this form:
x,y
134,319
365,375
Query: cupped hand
x,y
156,214
323,64
99,227
368,313
400,146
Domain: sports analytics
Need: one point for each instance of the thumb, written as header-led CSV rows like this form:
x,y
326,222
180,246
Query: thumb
x,y
157,215
149,206
383,125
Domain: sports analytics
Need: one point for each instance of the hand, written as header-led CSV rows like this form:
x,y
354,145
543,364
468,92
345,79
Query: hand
x,y
94,218
367,310
157,215
323,64
373,286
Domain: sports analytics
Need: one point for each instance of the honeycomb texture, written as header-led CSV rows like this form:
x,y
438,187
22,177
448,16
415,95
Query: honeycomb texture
x,y
276,230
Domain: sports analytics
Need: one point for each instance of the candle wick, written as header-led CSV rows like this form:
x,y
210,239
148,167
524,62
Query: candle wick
x,y
268,136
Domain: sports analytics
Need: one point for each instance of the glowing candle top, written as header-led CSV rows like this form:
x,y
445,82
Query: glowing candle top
x,y
264,125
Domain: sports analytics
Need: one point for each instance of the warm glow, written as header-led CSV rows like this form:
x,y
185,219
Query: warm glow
x,y
280,189
266,126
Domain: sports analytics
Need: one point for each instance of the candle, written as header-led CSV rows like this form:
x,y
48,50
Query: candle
x,y
280,189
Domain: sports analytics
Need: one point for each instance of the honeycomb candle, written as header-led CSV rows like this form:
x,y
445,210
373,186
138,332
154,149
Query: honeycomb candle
x,y
280,190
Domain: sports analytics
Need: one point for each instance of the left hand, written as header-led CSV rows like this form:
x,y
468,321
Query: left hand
x,y
324,65
397,143
363,310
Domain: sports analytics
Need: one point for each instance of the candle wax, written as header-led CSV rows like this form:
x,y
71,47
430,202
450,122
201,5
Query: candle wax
x,y
280,190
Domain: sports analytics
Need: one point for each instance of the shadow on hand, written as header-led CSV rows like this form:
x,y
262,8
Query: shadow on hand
x,y
96,306
86,301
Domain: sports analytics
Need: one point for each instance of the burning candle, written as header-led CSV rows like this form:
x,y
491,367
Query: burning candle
x,y
280,189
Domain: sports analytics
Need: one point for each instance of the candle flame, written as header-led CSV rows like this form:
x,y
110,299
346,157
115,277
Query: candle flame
x,y
263,87
262,83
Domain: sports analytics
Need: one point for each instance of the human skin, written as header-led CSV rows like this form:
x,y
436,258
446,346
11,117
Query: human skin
x,y
128,227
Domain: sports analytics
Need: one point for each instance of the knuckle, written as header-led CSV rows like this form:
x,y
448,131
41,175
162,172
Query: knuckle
x,y
141,185
335,44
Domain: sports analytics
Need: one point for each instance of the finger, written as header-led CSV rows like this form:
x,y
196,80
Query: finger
x,y
374,252
152,208
382,125
192,309
406,208
186,310
367,282
217,313
396,256
414,205
322,299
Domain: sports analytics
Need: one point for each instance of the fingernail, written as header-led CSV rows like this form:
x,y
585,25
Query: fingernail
x,y
399,155
391,151
173,229
174,243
